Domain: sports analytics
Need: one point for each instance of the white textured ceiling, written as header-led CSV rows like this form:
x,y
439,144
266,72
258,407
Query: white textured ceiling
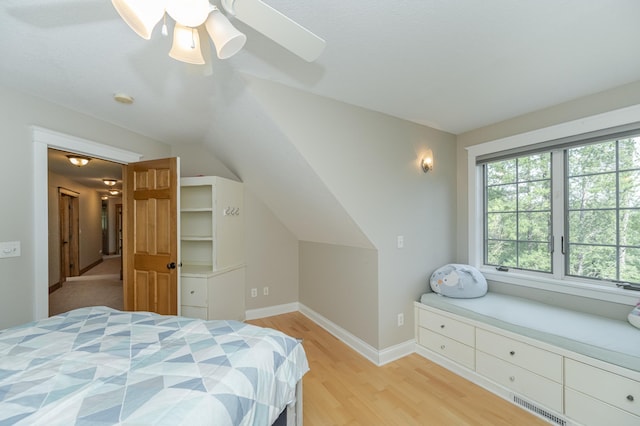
x,y
454,65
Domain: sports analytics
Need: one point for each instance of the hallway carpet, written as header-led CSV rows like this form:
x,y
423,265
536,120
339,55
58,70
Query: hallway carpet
x,y
100,286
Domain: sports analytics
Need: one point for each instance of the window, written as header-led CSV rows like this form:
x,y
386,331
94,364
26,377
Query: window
x,y
518,213
593,220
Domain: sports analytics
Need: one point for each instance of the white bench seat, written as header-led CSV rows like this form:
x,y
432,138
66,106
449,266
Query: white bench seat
x,y
613,341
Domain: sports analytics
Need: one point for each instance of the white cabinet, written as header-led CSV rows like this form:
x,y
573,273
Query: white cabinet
x,y
553,382
448,337
595,393
212,248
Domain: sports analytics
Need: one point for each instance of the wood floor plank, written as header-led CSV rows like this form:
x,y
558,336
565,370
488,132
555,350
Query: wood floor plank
x,y
344,388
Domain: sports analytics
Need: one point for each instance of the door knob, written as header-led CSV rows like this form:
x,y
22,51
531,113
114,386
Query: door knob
x,y
171,265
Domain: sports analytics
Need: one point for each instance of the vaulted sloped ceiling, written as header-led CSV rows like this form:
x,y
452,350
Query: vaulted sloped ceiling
x,y
246,138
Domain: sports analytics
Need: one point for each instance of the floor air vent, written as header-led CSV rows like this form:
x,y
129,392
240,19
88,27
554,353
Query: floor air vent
x,y
539,411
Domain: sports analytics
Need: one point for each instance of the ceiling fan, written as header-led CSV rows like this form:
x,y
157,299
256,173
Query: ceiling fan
x,y
194,19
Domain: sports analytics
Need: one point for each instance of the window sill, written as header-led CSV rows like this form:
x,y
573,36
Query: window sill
x,y
575,288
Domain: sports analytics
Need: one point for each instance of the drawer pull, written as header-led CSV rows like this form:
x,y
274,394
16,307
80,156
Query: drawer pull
x,y
630,398
442,347
512,353
193,291
512,378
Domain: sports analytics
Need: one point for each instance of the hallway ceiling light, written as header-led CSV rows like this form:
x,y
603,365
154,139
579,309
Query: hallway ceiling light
x,y
78,160
195,17
114,192
110,182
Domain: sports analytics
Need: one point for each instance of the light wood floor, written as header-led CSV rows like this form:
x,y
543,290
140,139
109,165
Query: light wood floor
x,y
343,388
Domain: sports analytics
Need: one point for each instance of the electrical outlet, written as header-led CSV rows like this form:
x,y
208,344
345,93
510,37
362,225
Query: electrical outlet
x,y
400,320
254,292
265,291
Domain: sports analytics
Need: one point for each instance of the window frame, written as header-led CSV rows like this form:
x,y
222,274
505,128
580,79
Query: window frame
x,y
556,281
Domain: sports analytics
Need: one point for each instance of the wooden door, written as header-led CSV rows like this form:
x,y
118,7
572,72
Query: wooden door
x,y
150,229
69,216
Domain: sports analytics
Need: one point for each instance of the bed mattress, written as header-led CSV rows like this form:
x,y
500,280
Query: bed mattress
x,y
98,366
609,340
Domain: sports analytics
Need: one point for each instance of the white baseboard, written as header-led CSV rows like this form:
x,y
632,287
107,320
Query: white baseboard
x,y
395,352
271,311
366,350
378,357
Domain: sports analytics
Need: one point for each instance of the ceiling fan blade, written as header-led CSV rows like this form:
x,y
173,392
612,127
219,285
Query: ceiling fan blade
x,y
279,28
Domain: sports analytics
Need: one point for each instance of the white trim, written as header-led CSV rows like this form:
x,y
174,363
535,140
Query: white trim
x,y
474,192
270,311
355,343
78,145
43,139
379,358
396,352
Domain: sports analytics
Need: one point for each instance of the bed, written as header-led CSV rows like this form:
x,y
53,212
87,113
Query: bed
x,y
100,366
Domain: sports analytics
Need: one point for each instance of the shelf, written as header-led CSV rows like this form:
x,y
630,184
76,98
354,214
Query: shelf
x,y
196,210
196,238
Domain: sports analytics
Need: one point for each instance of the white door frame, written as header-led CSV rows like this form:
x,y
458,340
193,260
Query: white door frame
x,y
43,139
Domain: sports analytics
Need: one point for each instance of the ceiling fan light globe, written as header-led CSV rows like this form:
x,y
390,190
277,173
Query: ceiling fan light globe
x,y
227,39
186,45
141,15
190,13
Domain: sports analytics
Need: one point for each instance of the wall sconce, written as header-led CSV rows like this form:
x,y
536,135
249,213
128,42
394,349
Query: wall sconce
x,y
78,160
110,182
427,161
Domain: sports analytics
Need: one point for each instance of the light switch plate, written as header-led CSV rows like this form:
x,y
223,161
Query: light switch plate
x,y
9,249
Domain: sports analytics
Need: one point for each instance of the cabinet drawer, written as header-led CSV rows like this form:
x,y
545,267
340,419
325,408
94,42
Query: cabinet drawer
x,y
193,312
592,412
449,327
611,388
520,380
452,349
193,292
539,361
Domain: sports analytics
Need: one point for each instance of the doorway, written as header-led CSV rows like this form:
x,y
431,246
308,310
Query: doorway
x,y
43,139
69,215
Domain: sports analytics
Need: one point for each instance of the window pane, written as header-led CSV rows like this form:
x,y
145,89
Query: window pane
x,y
501,226
629,227
501,198
592,227
589,159
629,189
534,195
518,212
534,226
592,261
534,167
501,172
592,192
501,253
630,265
629,152
534,256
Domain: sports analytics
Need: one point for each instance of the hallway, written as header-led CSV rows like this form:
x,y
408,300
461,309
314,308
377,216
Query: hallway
x,y
99,286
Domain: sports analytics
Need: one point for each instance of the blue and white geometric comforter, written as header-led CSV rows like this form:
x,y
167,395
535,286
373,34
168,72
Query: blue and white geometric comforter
x,y
99,366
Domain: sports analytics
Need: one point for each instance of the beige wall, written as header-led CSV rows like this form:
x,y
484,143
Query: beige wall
x,y
339,283
90,225
370,163
18,112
